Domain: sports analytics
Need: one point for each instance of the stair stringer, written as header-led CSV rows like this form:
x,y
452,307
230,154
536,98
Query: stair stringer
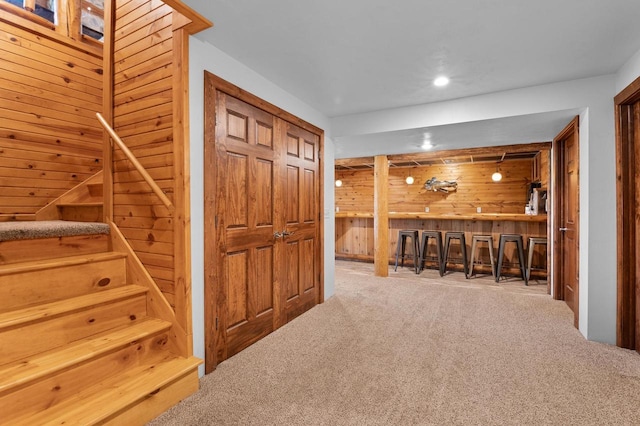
x,y
157,304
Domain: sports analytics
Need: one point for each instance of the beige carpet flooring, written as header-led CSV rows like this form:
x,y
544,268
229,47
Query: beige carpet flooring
x,y
425,350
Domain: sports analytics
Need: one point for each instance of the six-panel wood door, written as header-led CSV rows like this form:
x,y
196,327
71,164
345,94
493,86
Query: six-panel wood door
x,y
246,213
567,232
262,186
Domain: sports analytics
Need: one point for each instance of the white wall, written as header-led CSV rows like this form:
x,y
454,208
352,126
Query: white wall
x,y
628,72
203,56
592,99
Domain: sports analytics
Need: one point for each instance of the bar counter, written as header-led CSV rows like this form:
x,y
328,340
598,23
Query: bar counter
x,y
450,216
355,231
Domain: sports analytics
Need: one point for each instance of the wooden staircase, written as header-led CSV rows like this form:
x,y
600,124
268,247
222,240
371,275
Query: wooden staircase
x,y
77,343
84,203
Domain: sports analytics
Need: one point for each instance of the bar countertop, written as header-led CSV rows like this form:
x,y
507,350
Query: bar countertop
x,y
451,216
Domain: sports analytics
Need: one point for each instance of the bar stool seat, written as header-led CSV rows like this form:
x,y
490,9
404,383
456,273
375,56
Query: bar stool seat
x,y
533,241
511,238
400,248
454,235
437,236
474,242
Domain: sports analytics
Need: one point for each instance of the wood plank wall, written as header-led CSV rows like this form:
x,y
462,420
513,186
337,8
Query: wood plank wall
x,y
50,139
143,117
355,236
475,188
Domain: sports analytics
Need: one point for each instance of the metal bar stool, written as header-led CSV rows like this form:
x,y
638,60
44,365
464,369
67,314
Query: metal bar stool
x,y
474,242
400,248
454,235
533,241
511,238
437,236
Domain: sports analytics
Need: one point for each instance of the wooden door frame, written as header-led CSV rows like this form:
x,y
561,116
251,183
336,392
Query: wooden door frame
x,y
626,212
556,273
212,84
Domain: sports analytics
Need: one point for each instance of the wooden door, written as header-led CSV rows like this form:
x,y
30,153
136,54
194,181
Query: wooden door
x,y
246,173
263,223
566,276
301,279
628,215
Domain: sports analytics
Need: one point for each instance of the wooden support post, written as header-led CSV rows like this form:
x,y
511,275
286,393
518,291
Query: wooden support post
x,y
107,107
381,216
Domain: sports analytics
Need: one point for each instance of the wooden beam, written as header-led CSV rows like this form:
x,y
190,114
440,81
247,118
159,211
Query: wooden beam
x,y
197,22
491,150
381,216
107,108
181,191
350,162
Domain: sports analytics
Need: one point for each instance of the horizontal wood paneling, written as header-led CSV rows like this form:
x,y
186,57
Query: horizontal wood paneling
x,y
49,140
143,118
475,188
354,236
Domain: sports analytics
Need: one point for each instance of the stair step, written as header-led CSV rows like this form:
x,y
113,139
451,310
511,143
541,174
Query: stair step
x,y
21,284
19,251
85,204
28,230
37,265
81,211
17,375
115,394
95,189
50,310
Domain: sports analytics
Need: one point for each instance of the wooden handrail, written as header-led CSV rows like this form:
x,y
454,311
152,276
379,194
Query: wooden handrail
x,y
139,167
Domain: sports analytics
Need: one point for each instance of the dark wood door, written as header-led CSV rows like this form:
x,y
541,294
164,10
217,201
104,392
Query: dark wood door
x,y
627,109
566,145
246,173
263,223
300,257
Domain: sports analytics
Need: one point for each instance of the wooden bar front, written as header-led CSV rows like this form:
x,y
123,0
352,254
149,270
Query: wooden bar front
x,y
355,240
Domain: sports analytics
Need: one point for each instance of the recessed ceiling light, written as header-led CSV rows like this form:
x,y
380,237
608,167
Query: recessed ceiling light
x,y
441,81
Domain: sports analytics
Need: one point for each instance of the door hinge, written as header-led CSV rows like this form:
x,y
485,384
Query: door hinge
x,y
216,323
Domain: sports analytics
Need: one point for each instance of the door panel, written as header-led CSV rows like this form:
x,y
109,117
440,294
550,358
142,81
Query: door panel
x,y
566,277
302,221
245,173
570,213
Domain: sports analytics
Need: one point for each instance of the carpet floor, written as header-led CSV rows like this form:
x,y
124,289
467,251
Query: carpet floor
x,y
422,350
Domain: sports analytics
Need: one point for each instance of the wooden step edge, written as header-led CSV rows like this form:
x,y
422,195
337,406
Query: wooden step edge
x,y
24,217
106,399
26,371
61,262
19,317
87,204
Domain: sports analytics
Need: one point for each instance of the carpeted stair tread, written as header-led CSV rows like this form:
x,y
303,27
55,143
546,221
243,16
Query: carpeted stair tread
x,y
26,230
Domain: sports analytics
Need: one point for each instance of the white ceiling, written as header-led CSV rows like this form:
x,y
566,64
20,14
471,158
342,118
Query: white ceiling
x,y
352,56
